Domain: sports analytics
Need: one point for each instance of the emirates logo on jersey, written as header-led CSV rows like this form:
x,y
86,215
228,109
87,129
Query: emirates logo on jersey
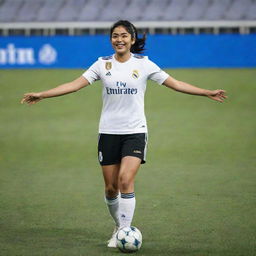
x,y
135,74
108,65
121,88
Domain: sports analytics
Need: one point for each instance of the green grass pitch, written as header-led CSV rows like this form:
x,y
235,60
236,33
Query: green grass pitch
x,y
196,195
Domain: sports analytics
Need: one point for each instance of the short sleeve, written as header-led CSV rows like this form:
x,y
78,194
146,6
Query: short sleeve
x,y
155,73
92,74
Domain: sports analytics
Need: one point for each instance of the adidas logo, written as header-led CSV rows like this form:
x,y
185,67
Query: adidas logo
x,y
108,74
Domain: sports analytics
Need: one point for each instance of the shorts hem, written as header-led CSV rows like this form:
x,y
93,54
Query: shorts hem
x,y
142,160
111,163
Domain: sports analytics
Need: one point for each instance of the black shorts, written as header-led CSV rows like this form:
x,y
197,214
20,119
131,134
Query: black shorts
x,y
113,147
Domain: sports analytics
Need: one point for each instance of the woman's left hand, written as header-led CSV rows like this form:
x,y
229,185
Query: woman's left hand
x,y
218,95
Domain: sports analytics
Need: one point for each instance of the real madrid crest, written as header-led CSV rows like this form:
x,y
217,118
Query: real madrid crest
x,y
108,65
135,74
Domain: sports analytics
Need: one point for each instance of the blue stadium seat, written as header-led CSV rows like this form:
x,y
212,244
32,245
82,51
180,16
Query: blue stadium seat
x,y
195,10
216,10
92,10
114,10
154,10
134,12
9,10
238,10
71,10
251,13
175,10
29,10
49,10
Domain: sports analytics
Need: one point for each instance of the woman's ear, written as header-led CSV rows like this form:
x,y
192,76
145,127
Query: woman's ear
x,y
133,41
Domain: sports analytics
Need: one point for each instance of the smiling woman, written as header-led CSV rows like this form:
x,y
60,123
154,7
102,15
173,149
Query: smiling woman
x,y
123,128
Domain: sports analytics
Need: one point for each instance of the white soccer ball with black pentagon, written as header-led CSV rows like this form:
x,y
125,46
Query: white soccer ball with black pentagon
x,y
129,239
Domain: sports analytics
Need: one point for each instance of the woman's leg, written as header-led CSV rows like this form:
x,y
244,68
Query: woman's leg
x,y
128,169
110,174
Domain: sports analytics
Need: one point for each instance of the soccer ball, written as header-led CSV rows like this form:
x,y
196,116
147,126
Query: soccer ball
x,y
129,239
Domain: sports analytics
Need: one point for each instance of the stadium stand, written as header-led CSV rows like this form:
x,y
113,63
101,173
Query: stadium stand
x,y
216,11
9,9
195,10
29,10
175,10
154,10
238,10
135,10
70,10
49,10
118,6
151,14
91,10
251,14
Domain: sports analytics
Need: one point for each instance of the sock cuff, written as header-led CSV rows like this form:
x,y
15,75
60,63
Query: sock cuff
x,y
127,195
111,200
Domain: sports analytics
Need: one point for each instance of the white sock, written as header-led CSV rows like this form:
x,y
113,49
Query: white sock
x,y
126,209
113,207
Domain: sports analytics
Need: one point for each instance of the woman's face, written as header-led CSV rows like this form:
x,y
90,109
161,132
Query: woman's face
x,y
121,40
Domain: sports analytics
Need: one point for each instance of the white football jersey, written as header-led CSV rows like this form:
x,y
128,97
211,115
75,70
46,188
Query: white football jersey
x,y
124,86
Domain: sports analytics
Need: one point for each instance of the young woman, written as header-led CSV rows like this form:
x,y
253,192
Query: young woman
x,y
123,128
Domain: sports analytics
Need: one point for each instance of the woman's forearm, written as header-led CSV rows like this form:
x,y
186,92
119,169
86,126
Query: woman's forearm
x,y
65,88
190,89
34,97
58,91
217,95
185,87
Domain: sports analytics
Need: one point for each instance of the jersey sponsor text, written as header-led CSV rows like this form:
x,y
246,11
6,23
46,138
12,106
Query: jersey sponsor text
x,y
121,90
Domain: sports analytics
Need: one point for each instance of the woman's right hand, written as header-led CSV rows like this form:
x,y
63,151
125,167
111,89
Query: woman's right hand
x,y
31,98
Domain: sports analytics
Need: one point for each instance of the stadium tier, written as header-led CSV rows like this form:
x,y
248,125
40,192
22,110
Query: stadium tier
x,y
111,10
156,13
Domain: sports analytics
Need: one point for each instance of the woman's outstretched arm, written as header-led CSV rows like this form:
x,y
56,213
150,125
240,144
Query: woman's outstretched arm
x,y
218,95
75,85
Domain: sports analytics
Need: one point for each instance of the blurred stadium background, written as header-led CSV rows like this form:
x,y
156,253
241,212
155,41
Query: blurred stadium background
x,y
76,17
195,195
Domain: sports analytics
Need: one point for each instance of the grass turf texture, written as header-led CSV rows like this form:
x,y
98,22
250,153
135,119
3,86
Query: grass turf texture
x,y
195,196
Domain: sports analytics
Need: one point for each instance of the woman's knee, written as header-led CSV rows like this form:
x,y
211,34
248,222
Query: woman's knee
x,y
125,182
111,190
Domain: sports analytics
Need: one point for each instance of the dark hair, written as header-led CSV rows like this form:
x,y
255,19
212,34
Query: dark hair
x,y
138,46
